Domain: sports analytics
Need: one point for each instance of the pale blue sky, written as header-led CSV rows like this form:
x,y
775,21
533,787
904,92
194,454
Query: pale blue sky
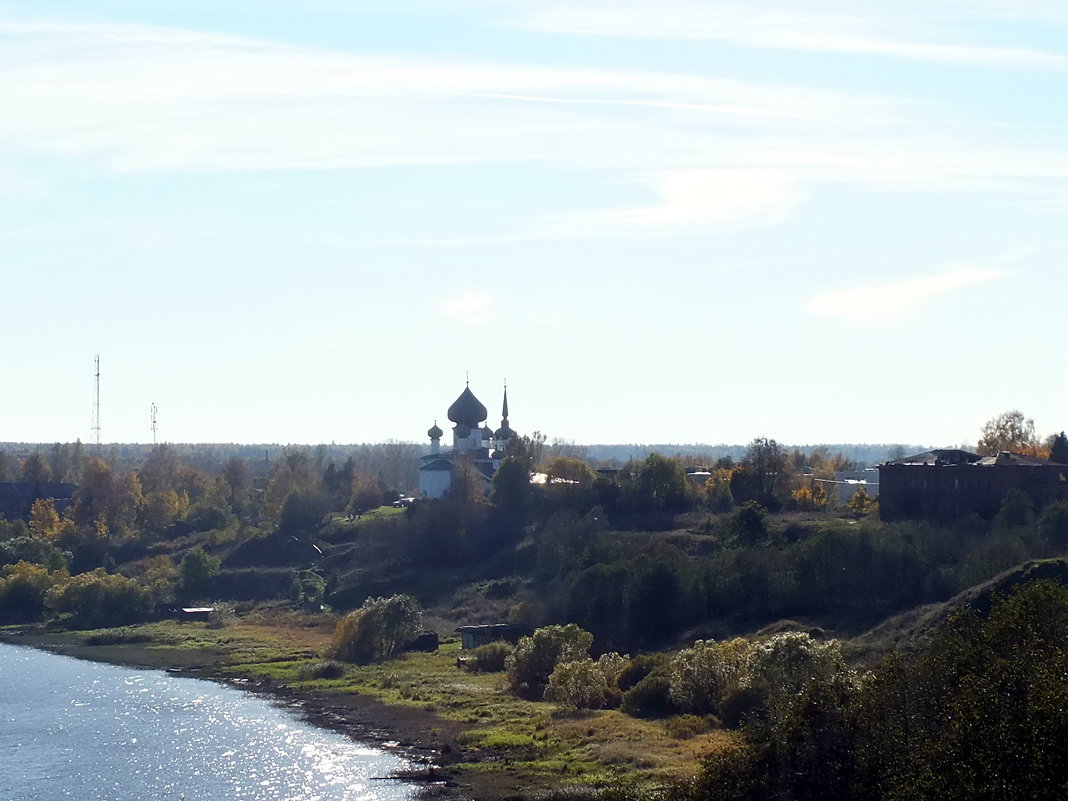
x,y
660,221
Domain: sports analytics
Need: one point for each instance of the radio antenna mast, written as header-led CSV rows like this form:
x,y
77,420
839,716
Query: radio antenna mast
x,y
96,405
154,425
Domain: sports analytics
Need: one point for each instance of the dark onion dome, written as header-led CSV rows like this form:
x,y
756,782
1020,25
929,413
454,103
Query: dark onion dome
x,y
435,432
487,432
467,411
503,433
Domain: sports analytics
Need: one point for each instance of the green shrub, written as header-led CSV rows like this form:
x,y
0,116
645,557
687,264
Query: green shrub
x,y
1053,523
700,674
649,698
739,705
115,637
638,668
585,684
99,599
491,657
683,727
197,567
535,658
221,616
23,588
325,669
577,685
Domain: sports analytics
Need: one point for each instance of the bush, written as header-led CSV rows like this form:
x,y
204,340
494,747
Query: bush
x,y
749,524
325,669
649,698
98,599
376,630
683,727
585,684
221,616
116,637
1053,523
740,705
578,685
699,675
197,568
491,657
23,587
638,668
535,658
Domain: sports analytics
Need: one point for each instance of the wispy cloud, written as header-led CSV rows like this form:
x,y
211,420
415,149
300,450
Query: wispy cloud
x,y
694,198
472,307
890,302
874,28
713,151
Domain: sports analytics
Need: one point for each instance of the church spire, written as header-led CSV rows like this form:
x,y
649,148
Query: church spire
x,y
504,433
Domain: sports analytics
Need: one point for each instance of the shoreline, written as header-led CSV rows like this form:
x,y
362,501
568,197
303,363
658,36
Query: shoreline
x,y
428,742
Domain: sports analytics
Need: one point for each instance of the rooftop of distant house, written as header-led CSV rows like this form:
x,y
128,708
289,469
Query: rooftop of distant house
x,y
948,457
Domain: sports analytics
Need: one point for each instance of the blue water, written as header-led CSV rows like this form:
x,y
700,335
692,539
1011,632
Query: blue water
x,y
74,729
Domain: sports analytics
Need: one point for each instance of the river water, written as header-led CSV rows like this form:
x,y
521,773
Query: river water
x,y
88,731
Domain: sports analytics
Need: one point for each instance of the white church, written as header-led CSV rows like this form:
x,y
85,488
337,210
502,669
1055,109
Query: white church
x,y
474,446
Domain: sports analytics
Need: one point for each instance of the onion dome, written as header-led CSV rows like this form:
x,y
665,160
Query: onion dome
x,y
467,411
487,432
435,432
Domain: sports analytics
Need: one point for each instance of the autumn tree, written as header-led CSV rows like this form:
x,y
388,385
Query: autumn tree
x,y
67,461
95,494
377,630
809,498
44,519
22,590
365,494
160,469
197,569
34,469
567,468
1009,431
238,477
294,472
764,467
1058,448
861,503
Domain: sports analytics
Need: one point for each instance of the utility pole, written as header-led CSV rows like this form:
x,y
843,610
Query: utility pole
x,y
153,410
96,406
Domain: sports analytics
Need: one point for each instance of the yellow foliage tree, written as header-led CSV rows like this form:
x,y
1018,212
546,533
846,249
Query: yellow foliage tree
x,y
44,520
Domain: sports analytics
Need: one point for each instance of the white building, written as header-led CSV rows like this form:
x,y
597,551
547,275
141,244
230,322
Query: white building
x,y
476,448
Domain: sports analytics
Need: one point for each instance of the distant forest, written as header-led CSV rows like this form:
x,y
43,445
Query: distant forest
x,y
395,463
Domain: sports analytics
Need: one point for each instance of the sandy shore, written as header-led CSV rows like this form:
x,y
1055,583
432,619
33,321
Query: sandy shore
x,y
429,742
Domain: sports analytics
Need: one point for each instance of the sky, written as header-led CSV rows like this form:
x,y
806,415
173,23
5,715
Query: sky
x,y
671,221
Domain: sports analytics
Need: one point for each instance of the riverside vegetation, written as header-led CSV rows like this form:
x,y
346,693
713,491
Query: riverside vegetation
x,y
741,640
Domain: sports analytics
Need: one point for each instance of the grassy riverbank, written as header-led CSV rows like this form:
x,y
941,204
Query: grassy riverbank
x,y
488,743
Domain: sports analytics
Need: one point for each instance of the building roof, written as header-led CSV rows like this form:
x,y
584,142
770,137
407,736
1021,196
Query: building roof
x,y
940,456
39,489
1019,459
947,457
437,464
